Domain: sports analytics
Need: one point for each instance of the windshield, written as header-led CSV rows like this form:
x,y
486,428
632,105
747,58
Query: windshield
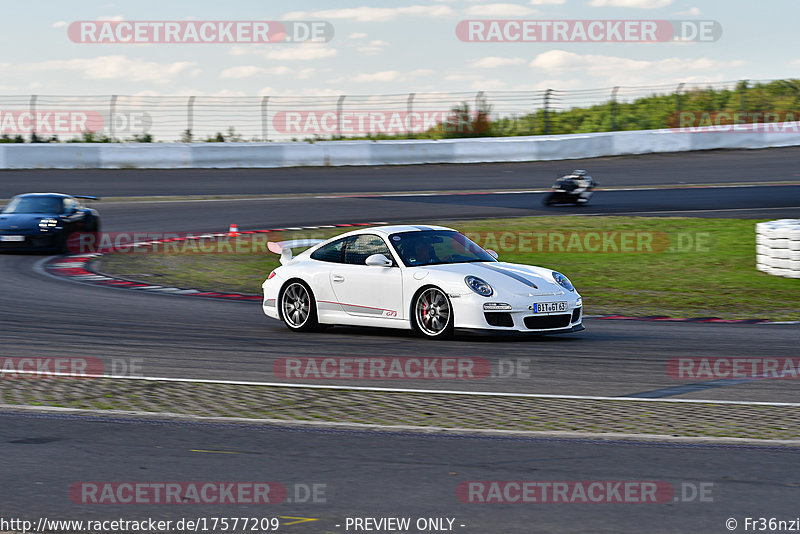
x,y
434,247
50,205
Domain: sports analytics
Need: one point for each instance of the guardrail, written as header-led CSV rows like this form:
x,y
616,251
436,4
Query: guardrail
x,y
390,152
778,247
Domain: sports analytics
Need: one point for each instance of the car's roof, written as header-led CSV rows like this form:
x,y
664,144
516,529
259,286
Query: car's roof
x,y
54,195
386,231
398,228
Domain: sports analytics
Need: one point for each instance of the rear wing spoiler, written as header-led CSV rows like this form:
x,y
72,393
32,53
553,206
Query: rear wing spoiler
x,y
86,197
284,248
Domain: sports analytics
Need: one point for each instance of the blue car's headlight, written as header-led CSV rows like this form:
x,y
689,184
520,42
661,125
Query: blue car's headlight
x,y
481,287
48,223
563,281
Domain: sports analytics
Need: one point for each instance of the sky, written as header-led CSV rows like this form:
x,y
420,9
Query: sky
x,y
388,48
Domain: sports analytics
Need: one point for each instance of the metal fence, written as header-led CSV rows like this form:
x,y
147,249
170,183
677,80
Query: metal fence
x,y
285,118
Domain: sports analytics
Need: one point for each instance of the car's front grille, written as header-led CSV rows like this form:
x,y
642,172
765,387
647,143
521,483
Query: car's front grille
x,y
576,314
544,322
499,319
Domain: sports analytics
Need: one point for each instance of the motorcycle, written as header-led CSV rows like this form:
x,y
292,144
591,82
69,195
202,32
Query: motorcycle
x,y
575,188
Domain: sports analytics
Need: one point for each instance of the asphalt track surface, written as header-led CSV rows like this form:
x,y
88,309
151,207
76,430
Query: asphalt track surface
x,y
372,474
194,338
714,166
386,475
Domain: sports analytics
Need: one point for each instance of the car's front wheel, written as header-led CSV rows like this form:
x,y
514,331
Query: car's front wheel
x,y
298,307
433,314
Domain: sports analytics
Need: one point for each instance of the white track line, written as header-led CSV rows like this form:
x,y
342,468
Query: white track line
x,y
437,193
547,190
404,390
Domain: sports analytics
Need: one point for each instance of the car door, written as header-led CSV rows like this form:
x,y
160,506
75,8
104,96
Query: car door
x,y
368,290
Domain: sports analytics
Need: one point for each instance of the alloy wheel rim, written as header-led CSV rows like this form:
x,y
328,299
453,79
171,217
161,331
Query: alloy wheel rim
x,y
432,312
296,305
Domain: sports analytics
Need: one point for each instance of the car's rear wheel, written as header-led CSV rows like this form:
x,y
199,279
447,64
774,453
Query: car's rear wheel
x,y
298,307
433,314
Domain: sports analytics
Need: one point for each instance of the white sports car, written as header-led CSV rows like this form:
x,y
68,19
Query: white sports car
x,y
428,278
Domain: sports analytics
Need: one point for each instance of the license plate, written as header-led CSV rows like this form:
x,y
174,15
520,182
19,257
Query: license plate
x,y
549,307
16,238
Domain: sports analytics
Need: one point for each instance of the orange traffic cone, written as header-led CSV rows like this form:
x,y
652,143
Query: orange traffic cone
x,y
233,231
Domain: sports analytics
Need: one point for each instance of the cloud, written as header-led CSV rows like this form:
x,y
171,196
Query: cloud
x,y
692,11
500,10
636,4
116,67
373,48
419,72
247,71
112,18
624,71
357,35
305,91
489,85
305,52
547,2
250,71
59,24
304,74
462,77
384,76
491,62
373,14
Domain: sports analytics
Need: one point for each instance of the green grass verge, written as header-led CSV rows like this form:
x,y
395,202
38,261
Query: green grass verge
x,y
693,267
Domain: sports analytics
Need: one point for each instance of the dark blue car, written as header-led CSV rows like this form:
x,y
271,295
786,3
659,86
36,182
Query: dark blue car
x,y
44,221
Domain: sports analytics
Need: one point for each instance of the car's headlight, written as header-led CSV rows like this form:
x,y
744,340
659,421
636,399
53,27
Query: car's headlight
x,y
48,223
563,281
481,287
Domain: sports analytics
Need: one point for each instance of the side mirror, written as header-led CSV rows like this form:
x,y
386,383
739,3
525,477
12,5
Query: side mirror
x,y
492,253
379,260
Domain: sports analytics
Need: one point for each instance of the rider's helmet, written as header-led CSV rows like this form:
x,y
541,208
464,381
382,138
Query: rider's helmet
x,y
579,173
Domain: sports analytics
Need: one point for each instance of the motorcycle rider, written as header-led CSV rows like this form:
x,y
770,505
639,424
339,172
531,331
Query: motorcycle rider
x,y
579,184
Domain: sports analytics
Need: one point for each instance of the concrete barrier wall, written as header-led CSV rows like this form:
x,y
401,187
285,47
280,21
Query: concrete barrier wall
x,y
778,247
400,152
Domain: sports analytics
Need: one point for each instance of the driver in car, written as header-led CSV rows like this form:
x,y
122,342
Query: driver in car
x,y
423,253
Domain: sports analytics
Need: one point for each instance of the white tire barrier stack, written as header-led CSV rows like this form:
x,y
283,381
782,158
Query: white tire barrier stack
x,y
778,247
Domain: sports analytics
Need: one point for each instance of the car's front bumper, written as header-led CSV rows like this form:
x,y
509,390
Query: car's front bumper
x,y
471,315
39,241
